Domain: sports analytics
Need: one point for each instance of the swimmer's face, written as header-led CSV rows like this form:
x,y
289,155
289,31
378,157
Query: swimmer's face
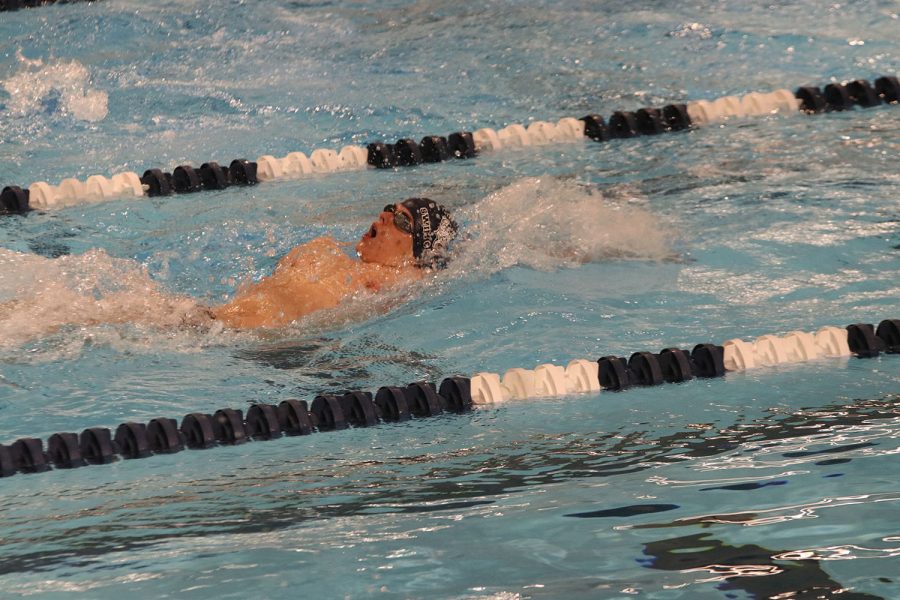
x,y
385,243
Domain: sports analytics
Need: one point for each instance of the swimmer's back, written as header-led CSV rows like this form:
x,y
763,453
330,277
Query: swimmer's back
x,y
311,277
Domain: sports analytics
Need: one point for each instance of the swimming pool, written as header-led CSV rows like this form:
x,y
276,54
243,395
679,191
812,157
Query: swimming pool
x,y
763,482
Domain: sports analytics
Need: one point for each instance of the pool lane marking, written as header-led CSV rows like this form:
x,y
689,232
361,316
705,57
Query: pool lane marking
x,y
41,195
327,412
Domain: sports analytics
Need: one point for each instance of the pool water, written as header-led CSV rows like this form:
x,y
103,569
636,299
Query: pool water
x,y
774,482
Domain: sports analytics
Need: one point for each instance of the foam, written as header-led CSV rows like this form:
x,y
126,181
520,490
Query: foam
x,y
36,82
540,223
79,293
548,223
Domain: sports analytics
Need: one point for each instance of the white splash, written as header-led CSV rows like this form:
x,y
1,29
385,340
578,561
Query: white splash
x,y
539,223
41,296
36,82
93,298
547,223
692,30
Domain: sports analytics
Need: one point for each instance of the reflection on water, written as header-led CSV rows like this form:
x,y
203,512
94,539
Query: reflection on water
x,y
748,567
625,511
288,495
780,514
326,359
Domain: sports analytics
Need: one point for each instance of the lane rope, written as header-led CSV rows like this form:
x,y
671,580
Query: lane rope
x,y
406,152
11,5
458,394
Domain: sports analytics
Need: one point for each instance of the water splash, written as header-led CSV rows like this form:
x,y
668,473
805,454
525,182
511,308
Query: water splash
x,y
57,86
544,224
75,294
547,223
540,223
692,30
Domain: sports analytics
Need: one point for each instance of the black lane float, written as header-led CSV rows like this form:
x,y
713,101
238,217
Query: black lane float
x,y
406,152
389,404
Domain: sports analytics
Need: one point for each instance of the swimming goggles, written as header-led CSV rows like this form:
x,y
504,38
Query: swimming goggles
x,y
401,221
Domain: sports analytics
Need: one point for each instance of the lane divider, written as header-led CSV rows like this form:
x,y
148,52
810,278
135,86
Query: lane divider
x,y
333,412
406,152
11,5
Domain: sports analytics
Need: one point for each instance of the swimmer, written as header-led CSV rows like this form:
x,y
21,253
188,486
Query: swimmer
x,y
407,238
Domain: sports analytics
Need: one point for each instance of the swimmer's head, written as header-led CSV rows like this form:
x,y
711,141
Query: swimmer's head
x,y
417,232
432,230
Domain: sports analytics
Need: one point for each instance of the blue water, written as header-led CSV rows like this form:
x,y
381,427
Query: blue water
x,y
772,481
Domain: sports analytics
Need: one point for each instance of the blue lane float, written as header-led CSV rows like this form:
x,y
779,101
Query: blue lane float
x,y
406,152
458,394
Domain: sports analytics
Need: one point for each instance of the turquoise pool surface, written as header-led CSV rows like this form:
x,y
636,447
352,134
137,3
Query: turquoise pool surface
x,y
776,482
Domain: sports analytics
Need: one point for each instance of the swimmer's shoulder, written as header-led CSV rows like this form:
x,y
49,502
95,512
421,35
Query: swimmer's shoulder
x,y
314,252
324,243
376,277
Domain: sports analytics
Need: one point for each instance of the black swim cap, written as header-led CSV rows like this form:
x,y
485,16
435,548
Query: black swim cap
x,y
433,230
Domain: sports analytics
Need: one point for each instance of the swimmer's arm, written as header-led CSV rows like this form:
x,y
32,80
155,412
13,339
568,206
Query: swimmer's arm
x,y
303,284
243,313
